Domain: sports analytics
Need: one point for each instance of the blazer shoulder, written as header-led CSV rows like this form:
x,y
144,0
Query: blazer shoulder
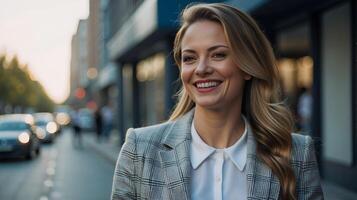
x,y
145,137
301,146
300,140
153,132
304,163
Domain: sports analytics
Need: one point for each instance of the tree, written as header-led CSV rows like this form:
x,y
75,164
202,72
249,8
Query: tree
x,y
18,89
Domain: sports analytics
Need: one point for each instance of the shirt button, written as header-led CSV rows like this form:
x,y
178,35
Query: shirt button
x,y
218,179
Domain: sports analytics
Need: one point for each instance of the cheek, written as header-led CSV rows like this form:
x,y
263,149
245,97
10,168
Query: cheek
x,y
185,74
229,68
235,80
237,83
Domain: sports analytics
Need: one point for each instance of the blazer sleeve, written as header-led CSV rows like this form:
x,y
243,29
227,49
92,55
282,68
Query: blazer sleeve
x,y
124,175
309,185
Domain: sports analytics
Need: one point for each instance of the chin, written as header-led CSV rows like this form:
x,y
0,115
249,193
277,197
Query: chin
x,y
207,104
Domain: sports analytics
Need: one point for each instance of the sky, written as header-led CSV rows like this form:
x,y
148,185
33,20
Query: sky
x,y
39,32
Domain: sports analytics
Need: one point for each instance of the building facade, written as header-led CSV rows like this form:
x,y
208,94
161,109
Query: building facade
x,y
79,65
315,44
94,38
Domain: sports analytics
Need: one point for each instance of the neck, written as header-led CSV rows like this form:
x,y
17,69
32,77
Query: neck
x,y
219,129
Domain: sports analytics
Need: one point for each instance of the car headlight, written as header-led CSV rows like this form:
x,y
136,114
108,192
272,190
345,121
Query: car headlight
x,y
51,127
41,134
62,118
24,137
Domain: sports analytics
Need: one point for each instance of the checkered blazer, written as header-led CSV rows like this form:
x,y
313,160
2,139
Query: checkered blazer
x,y
154,163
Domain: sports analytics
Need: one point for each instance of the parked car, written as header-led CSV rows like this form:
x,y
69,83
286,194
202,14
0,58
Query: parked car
x,y
47,128
18,137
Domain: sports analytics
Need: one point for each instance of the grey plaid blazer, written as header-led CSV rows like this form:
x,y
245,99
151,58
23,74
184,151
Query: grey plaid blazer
x,y
154,163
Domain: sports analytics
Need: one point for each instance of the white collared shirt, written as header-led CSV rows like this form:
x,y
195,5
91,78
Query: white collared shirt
x,y
218,174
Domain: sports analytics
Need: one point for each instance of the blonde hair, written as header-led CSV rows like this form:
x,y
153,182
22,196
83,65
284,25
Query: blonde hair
x,y
270,119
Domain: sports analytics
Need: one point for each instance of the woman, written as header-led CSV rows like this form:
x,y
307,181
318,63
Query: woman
x,y
229,136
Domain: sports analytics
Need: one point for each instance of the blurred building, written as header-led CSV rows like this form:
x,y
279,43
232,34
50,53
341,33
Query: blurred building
x,y
107,80
79,65
94,51
93,76
94,37
315,43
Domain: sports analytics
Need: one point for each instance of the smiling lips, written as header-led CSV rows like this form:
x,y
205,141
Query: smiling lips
x,y
205,86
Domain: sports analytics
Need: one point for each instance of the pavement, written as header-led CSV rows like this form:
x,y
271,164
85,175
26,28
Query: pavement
x,y
110,148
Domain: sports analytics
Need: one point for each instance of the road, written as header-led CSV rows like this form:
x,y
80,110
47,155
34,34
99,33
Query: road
x,y
61,172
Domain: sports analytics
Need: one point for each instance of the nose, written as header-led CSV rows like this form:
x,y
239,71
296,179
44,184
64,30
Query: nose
x,y
203,68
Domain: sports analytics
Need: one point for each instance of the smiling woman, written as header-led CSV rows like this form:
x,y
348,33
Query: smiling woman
x,y
208,72
230,135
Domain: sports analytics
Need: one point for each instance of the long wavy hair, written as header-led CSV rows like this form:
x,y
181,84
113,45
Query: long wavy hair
x,y
270,119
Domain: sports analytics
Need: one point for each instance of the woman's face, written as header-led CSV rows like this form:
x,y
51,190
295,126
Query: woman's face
x,y
208,72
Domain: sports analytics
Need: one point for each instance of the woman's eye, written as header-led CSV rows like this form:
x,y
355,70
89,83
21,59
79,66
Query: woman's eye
x,y
219,55
187,59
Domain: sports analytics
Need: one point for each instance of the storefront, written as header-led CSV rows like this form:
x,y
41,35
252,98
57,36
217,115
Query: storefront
x,y
315,44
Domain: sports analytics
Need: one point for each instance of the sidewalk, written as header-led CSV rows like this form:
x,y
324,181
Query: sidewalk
x,y
336,192
110,151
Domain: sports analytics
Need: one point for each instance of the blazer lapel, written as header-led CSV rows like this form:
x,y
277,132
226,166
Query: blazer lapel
x,y
175,159
262,183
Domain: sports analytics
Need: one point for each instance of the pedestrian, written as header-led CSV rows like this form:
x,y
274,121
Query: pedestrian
x,y
107,115
229,136
98,123
304,110
77,129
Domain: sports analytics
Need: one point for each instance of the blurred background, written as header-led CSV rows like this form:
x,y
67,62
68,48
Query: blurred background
x,y
75,75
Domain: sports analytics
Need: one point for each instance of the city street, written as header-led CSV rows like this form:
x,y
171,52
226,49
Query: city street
x,y
62,171
101,67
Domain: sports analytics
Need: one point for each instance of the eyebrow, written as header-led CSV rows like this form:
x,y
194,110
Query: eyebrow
x,y
209,49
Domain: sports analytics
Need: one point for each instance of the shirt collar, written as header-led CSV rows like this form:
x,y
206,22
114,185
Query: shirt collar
x,y
199,149
237,153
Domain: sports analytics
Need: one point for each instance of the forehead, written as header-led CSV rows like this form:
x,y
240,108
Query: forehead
x,y
203,34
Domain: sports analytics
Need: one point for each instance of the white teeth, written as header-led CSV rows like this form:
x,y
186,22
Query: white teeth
x,y
207,84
